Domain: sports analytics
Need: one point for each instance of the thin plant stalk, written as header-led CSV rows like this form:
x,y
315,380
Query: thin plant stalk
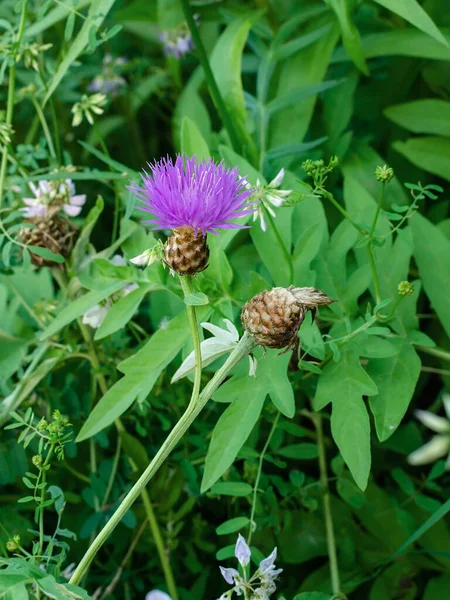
x,y
45,128
329,527
209,75
258,477
186,285
243,348
284,250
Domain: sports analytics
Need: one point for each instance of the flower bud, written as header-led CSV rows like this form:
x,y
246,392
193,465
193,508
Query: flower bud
x,y
274,317
186,251
384,174
405,288
13,543
37,460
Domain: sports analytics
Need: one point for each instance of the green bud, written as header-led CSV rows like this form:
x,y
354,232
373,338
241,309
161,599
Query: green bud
x,y
37,460
13,543
42,425
384,174
405,288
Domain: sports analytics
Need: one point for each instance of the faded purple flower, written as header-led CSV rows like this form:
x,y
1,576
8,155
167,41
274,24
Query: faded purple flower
x,y
242,552
109,82
205,196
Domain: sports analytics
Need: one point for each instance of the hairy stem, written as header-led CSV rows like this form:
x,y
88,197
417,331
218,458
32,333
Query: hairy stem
x,y
209,75
244,347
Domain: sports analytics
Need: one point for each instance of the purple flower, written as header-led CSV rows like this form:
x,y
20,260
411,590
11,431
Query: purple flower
x,y
242,552
205,196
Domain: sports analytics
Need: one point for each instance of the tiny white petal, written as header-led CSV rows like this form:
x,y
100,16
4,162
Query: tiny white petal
x,y
275,200
432,421
118,261
157,595
253,366
72,211
78,200
436,448
277,181
229,574
263,222
221,334
446,401
242,552
271,211
232,329
95,316
284,193
268,562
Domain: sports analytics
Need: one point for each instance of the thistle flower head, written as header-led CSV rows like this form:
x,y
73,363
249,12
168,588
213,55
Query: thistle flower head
x,y
205,196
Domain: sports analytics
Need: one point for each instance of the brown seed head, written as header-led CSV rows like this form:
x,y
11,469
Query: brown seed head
x,y
54,232
185,252
273,317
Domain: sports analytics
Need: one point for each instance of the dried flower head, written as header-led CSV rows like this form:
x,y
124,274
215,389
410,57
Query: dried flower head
x,y
274,317
193,200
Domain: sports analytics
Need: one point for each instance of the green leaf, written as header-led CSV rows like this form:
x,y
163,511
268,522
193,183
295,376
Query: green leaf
x,y
375,347
141,372
226,64
399,42
192,141
232,525
432,254
46,253
9,580
313,596
422,116
297,95
350,493
232,488
79,251
54,16
429,153
120,167
95,17
411,11
122,311
300,451
78,307
196,299
344,383
350,34
396,379
231,432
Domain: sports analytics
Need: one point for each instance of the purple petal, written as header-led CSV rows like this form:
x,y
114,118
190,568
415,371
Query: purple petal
x,y
242,552
228,574
265,564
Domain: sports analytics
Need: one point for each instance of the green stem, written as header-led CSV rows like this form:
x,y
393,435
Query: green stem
x,y
258,477
329,528
283,248
373,268
210,79
10,101
170,581
244,347
438,352
342,210
112,475
377,212
186,284
41,510
45,128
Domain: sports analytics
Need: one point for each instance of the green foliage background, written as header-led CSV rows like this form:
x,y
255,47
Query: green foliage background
x,y
364,80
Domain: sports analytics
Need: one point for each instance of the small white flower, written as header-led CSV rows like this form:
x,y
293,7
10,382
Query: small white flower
x,y
68,571
242,551
95,316
118,261
439,445
157,595
47,194
267,196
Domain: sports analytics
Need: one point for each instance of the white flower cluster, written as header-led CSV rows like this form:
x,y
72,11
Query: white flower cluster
x,y
49,194
267,195
95,316
222,342
261,585
439,445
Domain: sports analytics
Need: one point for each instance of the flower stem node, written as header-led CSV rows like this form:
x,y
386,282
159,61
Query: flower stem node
x,y
405,288
186,252
273,317
384,174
